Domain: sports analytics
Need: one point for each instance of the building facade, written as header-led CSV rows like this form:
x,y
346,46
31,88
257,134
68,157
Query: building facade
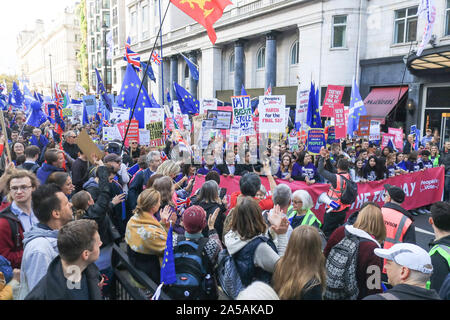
x,y
48,54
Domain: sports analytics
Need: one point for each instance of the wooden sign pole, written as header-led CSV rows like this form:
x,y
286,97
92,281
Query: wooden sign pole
x,y
5,133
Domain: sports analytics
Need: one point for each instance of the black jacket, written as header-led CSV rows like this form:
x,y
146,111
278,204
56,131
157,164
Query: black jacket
x,y
53,286
80,173
445,159
71,149
410,234
210,207
440,265
101,209
407,292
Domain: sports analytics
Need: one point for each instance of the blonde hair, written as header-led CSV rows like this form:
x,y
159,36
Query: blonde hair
x,y
148,199
302,265
370,219
80,203
168,168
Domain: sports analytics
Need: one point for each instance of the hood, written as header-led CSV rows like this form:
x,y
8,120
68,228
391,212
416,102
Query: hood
x,y
234,243
90,183
37,232
360,233
49,168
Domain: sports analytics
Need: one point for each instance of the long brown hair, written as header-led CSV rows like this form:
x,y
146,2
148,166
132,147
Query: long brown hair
x,y
282,167
370,219
302,265
164,186
247,219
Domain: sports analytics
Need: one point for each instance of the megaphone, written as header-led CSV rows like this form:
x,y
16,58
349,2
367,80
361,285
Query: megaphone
x,y
324,198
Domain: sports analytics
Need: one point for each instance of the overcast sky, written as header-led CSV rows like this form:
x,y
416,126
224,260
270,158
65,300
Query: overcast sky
x,y
18,15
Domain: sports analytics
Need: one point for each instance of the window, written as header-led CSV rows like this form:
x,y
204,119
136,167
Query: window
x,y
133,25
339,30
92,44
76,53
114,15
145,21
261,58
78,75
106,19
99,60
105,4
447,19
231,64
405,25
294,53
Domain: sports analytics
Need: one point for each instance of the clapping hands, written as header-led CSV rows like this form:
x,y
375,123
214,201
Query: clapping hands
x,y
278,220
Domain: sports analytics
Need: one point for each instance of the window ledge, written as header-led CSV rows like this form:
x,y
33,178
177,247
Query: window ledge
x,y
403,44
339,49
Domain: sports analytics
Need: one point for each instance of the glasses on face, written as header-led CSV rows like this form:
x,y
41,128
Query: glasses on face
x,y
17,188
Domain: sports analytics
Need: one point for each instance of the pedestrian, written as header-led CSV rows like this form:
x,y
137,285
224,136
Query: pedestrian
x,y
374,169
63,181
54,161
408,269
69,145
32,154
285,170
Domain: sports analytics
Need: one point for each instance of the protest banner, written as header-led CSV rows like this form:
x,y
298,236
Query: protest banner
x,y
133,132
111,133
77,113
119,115
301,108
375,130
242,114
67,112
385,139
91,104
153,115
333,96
272,114
144,137
177,114
156,133
339,121
331,135
421,188
315,140
293,140
234,134
221,119
363,126
207,104
87,146
398,141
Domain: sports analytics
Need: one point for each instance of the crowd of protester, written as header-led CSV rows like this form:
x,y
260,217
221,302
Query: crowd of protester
x,y
63,212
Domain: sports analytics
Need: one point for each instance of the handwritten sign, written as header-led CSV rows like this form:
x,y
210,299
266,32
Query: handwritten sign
x,y
144,137
332,97
301,108
242,114
375,130
272,114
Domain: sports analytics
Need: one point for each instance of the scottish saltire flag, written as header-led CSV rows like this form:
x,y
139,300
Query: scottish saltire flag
x,y
150,73
188,104
357,109
243,92
17,96
168,275
132,57
38,97
156,58
129,93
102,91
192,68
391,145
313,113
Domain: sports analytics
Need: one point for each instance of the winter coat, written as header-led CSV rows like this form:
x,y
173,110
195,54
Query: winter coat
x,y
45,171
210,207
11,250
407,292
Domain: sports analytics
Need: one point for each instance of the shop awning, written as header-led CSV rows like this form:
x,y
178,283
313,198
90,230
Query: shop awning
x,y
381,101
432,61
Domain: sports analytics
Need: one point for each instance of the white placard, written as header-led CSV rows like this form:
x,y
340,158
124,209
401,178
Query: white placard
x,y
235,133
242,114
271,115
77,113
144,137
207,104
375,133
301,108
111,133
119,115
153,115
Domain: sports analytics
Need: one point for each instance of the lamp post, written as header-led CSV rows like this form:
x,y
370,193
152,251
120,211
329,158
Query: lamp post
x,y
51,75
105,76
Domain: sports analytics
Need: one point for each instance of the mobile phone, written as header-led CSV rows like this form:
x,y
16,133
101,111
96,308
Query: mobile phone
x,y
223,192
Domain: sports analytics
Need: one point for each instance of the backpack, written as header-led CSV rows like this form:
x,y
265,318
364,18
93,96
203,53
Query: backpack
x,y
341,267
228,275
195,281
14,226
350,192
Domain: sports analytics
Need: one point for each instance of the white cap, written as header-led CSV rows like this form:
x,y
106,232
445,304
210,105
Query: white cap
x,y
408,255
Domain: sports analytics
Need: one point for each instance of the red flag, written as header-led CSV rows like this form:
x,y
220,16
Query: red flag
x,y
205,12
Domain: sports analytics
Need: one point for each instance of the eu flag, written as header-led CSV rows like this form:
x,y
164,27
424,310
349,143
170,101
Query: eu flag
x,y
101,90
243,92
313,114
192,68
85,116
154,103
37,116
150,73
357,109
129,92
168,275
17,95
188,104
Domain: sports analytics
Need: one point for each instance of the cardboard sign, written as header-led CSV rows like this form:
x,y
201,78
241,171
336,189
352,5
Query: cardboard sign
x,y
177,114
315,140
221,119
207,104
133,132
339,121
272,116
332,97
301,108
375,130
242,114
156,133
87,146
398,132
364,126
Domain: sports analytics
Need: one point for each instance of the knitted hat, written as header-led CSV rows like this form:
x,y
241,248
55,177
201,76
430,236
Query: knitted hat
x,y
194,219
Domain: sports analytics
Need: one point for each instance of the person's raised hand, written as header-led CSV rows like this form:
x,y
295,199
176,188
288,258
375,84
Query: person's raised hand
x,y
275,216
266,168
118,199
212,219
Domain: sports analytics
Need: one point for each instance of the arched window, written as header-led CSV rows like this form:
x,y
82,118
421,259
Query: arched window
x,y
261,58
294,53
231,63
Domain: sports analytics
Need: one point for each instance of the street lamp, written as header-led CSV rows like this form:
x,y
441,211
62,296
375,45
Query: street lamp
x,y
105,77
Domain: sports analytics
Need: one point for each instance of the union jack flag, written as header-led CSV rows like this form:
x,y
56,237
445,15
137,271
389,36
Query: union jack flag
x,y
59,98
156,58
164,156
268,91
131,56
106,123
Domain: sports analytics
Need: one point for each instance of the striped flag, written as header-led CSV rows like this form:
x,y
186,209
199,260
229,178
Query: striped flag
x,y
132,57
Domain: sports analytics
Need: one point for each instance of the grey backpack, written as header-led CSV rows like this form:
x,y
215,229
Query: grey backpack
x,y
341,267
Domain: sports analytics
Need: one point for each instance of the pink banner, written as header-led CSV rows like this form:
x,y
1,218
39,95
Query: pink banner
x,y
339,121
398,141
385,139
332,97
421,188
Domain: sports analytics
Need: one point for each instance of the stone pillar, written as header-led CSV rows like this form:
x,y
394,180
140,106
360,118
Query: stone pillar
x,y
271,60
211,76
192,82
173,74
239,71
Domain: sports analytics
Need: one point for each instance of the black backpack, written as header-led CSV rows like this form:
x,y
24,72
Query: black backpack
x,y
195,279
350,191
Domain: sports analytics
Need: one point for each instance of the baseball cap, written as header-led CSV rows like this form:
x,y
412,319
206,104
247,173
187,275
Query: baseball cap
x,y
194,219
112,157
408,255
397,194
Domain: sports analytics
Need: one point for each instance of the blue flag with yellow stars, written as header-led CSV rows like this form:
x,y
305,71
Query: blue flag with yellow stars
x,y
313,115
129,92
188,104
102,91
356,109
168,275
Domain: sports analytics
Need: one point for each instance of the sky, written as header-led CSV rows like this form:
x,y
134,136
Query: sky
x,y
18,15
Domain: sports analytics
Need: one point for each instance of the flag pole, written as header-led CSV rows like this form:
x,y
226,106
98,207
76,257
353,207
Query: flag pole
x,y
2,120
143,78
